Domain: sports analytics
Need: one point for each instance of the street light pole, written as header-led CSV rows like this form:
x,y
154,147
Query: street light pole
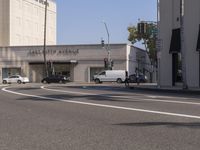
x,y
158,47
108,46
183,50
44,47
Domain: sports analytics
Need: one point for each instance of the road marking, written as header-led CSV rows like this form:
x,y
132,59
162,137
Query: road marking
x,y
153,96
105,106
125,97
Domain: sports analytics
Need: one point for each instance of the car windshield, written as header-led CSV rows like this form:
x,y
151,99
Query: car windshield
x,y
13,77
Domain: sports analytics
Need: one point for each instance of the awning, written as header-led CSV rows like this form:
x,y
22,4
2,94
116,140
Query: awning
x,y
198,41
175,45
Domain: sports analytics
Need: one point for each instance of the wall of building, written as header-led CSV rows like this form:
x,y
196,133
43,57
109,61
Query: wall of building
x,y
82,61
79,57
24,20
169,20
138,58
169,13
191,25
4,22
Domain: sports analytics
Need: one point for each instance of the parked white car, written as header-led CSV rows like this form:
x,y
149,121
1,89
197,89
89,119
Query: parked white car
x,y
15,79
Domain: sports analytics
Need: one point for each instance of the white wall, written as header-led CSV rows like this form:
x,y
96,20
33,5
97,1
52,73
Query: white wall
x,y
4,22
87,56
170,19
166,25
191,25
25,22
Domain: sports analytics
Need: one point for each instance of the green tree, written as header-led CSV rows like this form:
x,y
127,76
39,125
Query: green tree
x,y
147,34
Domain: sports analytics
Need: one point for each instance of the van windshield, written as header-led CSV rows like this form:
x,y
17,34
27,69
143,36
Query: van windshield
x,y
102,73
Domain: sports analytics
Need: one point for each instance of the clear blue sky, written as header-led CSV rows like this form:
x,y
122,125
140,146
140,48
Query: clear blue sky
x,y
80,21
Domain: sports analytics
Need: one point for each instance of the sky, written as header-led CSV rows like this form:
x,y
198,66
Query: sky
x,y
81,21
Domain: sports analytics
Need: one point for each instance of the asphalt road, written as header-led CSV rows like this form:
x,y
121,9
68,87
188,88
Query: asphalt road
x,y
59,117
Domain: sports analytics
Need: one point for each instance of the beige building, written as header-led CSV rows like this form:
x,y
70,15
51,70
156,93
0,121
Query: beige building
x,y
22,22
21,50
174,46
80,62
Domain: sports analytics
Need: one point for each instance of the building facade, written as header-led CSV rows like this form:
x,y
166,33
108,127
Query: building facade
x,y
80,62
22,22
179,42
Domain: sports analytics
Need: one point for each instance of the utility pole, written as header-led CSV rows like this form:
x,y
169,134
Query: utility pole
x,y
44,47
183,49
108,47
158,62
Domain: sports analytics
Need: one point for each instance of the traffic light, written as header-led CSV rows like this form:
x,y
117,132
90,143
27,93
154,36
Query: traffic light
x,y
102,43
106,63
145,28
112,63
142,28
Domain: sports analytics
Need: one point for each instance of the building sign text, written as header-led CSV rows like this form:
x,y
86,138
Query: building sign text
x,y
54,52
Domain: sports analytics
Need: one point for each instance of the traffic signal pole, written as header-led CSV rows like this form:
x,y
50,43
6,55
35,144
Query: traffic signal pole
x,y
108,47
44,47
183,50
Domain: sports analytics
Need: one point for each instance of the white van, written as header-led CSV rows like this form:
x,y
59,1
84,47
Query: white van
x,y
118,76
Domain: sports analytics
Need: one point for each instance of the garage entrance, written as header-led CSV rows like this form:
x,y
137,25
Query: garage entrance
x,y
6,72
37,70
93,71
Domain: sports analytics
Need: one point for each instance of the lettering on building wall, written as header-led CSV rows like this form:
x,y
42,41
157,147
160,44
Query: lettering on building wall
x,y
53,52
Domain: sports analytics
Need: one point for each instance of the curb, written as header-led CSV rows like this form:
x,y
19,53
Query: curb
x,y
155,89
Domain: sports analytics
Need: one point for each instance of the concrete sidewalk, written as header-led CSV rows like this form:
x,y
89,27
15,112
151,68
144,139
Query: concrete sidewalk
x,y
142,87
155,87
152,87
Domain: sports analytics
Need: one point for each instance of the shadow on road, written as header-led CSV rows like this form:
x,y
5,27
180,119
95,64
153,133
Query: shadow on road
x,y
99,97
132,90
195,125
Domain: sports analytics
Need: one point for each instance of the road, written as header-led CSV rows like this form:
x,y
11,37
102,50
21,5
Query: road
x,y
61,117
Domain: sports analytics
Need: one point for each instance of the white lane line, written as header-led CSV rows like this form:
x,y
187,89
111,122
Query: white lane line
x,y
125,97
106,106
153,96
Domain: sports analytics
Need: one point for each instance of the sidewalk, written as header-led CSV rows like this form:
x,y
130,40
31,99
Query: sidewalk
x,y
154,87
142,87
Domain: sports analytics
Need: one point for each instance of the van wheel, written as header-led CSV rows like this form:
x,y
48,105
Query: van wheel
x,y
97,81
4,82
119,80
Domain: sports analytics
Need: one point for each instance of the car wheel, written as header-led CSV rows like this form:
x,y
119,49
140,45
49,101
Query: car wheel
x,y
97,81
60,81
19,81
44,81
4,82
119,80
64,82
